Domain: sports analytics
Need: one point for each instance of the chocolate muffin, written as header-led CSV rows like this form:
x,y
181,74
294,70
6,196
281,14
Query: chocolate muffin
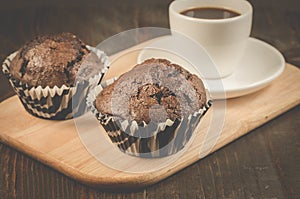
x,y
53,74
147,90
53,61
152,110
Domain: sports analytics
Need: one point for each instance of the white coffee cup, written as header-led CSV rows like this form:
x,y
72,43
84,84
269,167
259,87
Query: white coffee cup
x,y
224,39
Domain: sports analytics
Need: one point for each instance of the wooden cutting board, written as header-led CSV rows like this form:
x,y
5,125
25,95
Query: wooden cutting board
x,y
57,143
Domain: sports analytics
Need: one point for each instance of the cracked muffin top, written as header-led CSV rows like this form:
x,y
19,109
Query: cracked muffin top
x,y
154,90
54,60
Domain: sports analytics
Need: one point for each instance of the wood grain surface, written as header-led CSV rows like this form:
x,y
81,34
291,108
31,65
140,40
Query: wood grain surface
x,y
262,164
64,146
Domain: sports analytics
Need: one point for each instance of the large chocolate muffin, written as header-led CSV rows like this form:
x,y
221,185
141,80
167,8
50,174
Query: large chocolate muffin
x,y
154,90
152,110
53,61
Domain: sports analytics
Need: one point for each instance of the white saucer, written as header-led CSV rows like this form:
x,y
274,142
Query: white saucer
x,y
259,66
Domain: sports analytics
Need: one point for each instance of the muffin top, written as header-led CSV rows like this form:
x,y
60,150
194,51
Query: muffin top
x,y
54,60
154,90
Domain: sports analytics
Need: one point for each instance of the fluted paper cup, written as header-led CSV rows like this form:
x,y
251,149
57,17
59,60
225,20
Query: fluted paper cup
x,y
157,140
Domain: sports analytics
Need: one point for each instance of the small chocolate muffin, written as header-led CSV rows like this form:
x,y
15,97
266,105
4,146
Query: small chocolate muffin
x,y
53,61
53,74
151,110
154,90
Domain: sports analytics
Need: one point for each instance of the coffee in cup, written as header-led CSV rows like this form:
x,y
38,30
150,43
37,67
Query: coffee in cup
x,y
210,13
221,27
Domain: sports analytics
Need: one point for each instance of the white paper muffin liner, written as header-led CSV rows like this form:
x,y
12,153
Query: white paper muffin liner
x,y
57,103
153,140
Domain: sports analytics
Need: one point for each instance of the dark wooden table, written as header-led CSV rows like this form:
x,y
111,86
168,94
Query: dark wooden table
x,y
263,164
